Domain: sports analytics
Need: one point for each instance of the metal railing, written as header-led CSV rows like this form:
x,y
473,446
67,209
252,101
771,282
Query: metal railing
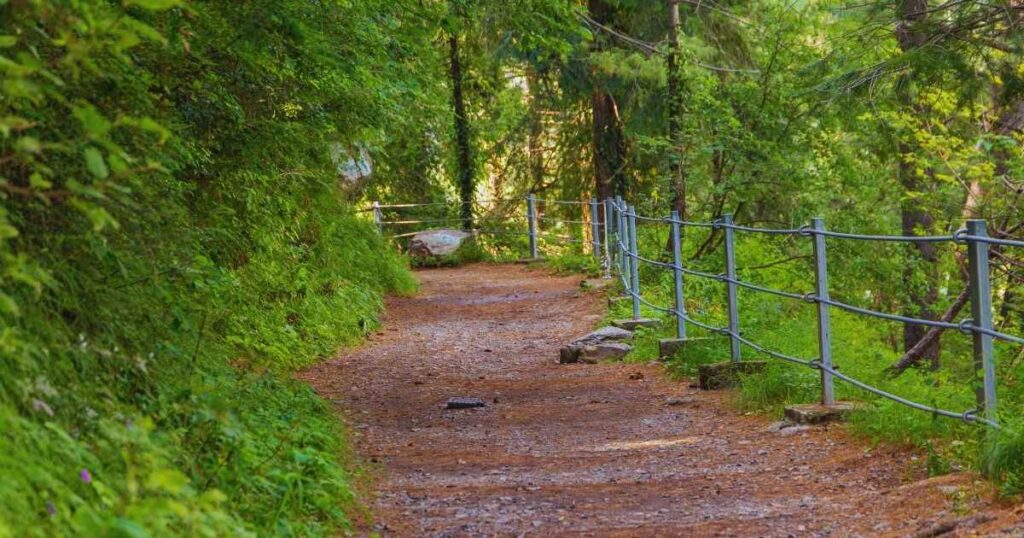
x,y
613,240
979,326
543,225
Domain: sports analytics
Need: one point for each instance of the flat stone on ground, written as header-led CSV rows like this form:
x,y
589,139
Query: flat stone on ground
x,y
593,354
722,375
571,353
633,324
816,413
464,402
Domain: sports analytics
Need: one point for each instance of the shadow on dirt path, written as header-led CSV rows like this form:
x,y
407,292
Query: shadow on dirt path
x,y
597,450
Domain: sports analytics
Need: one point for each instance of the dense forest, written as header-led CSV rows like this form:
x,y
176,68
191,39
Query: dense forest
x,y
181,229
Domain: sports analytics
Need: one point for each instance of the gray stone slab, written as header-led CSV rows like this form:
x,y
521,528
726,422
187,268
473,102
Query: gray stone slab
x,y
633,324
816,413
593,354
437,242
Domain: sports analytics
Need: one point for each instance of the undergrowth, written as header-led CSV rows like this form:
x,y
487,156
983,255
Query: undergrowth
x,y
174,243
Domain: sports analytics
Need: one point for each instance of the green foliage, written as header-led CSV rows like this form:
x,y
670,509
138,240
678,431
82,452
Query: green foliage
x,y
174,242
1003,458
575,263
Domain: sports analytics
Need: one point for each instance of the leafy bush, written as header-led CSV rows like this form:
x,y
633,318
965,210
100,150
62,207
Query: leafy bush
x,y
174,241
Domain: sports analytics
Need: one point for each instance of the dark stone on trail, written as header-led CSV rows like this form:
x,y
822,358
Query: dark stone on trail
x,y
722,375
463,402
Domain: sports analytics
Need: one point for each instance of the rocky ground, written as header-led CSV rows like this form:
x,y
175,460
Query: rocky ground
x,y
600,449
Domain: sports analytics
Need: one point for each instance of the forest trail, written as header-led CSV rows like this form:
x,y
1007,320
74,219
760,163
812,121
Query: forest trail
x,y
598,450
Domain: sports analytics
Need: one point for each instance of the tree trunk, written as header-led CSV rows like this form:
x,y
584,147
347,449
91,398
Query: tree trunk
x,y
675,111
911,34
609,139
463,146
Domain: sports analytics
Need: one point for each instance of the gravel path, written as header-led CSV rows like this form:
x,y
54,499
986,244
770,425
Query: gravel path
x,y
598,450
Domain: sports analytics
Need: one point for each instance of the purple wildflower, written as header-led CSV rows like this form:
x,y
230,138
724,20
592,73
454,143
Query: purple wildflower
x,y
86,477
51,509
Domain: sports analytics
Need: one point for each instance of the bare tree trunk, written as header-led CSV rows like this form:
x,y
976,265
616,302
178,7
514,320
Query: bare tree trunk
x,y
911,34
675,111
609,138
466,171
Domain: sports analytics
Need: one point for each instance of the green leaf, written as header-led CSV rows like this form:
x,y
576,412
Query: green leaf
x,y
37,181
92,121
95,163
8,41
168,480
8,305
28,144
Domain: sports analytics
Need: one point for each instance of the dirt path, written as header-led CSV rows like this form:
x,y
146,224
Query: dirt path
x,y
595,450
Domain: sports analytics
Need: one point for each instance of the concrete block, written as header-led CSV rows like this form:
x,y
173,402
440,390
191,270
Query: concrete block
x,y
722,375
816,413
669,347
633,324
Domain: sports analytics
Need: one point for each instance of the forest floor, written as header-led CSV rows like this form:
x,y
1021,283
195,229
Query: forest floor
x,y
600,450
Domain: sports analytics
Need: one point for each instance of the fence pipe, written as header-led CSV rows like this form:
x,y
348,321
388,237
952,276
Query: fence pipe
x,y
634,266
378,217
981,312
677,273
595,229
623,241
730,273
531,217
828,396
607,236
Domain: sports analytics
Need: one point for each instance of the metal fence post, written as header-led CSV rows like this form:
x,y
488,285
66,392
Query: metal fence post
x,y
531,217
731,297
981,314
828,396
595,230
378,217
677,273
607,237
634,265
623,241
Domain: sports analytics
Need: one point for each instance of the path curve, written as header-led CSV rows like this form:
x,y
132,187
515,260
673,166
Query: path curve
x,y
592,450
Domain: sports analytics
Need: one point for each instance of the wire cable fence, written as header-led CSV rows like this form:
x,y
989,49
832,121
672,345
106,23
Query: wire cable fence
x,y
552,226
610,229
979,325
